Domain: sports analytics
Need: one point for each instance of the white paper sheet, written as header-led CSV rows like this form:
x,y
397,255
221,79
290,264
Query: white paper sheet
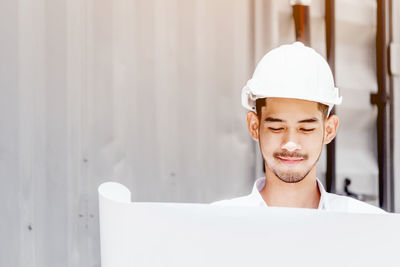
x,y
173,235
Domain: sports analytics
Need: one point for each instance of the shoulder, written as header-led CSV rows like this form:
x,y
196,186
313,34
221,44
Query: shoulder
x,y
349,204
238,201
252,199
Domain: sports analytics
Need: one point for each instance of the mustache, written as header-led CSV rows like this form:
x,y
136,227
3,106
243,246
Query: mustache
x,y
290,154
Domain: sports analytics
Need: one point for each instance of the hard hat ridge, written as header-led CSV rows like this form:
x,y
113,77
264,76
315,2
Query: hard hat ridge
x,y
292,71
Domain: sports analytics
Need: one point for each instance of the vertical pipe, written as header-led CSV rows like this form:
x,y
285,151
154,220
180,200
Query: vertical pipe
x,y
330,55
301,16
380,101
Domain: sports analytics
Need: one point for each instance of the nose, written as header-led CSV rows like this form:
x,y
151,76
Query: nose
x,y
290,141
291,146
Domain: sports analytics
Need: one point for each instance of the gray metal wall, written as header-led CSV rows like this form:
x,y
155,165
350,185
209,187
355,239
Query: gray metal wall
x,y
395,40
356,78
141,92
146,93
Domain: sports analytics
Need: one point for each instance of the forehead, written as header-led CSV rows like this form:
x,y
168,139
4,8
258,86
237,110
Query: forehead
x,y
288,108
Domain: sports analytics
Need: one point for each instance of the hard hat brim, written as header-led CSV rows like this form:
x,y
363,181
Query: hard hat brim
x,y
250,93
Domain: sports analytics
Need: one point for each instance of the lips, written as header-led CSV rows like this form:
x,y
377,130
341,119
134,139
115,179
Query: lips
x,y
290,160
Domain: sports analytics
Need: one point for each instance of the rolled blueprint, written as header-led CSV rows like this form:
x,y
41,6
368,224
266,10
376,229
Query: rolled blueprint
x,y
172,234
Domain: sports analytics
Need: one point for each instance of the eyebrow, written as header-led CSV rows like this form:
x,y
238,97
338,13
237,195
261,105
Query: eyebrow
x,y
310,120
270,119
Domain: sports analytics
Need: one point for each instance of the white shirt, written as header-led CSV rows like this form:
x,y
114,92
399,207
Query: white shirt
x,y
328,201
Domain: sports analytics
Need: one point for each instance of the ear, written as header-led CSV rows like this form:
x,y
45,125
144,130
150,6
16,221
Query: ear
x,y
331,126
253,125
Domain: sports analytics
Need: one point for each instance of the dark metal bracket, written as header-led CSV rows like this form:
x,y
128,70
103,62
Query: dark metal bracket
x,y
376,99
362,197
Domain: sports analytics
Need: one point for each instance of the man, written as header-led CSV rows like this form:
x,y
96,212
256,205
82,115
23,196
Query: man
x,y
290,97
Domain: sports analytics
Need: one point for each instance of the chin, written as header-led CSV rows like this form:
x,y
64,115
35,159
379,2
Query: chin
x,y
289,175
291,179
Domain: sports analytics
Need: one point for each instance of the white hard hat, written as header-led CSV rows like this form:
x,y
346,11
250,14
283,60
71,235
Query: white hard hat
x,y
292,71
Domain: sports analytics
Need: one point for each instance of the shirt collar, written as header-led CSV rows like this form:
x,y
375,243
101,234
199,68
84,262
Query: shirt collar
x,y
260,183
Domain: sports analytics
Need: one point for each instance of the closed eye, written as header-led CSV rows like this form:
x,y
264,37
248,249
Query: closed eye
x,y
307,130
275,129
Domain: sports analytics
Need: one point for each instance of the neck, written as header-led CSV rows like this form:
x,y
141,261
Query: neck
x,y
304,194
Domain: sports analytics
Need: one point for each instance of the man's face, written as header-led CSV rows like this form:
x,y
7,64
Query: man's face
x,y
291,134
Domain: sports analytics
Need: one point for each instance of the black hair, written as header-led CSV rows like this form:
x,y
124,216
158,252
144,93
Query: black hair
x,y
262,102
